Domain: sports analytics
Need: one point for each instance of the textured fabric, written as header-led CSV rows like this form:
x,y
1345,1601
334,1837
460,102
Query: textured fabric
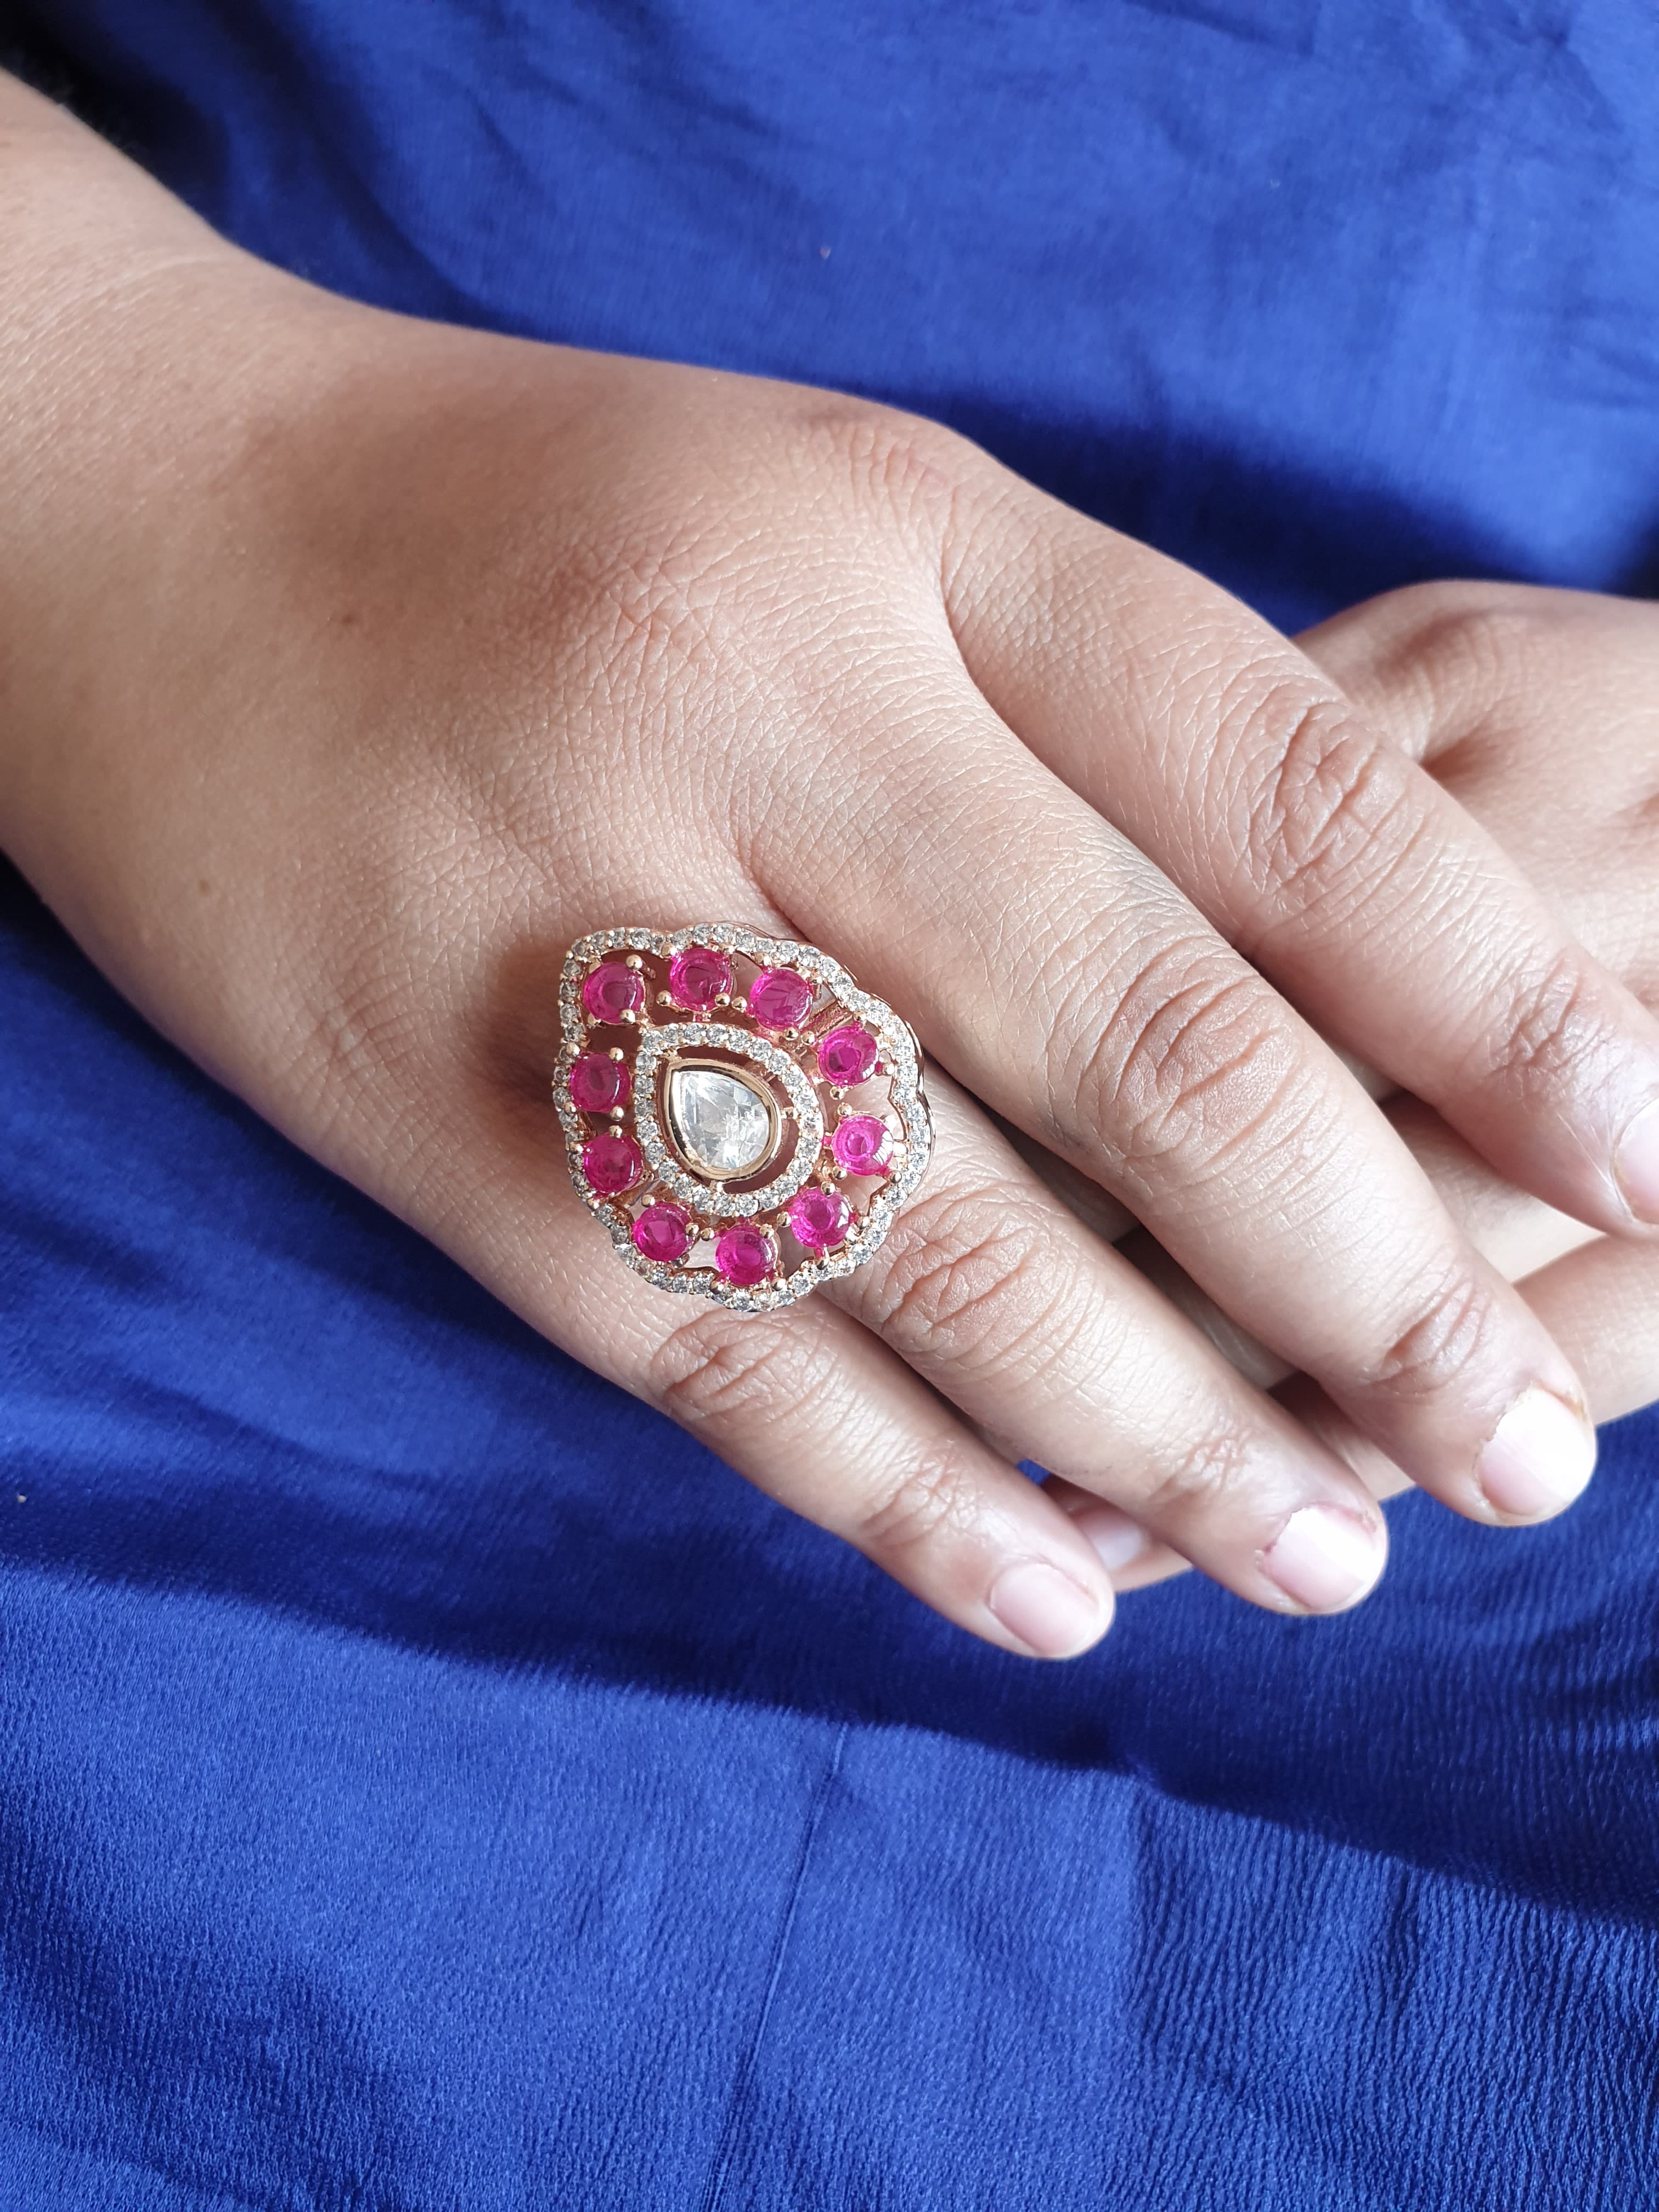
x,y
426,1780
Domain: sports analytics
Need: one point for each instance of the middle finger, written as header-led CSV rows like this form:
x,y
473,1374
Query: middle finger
x,y
1052,1344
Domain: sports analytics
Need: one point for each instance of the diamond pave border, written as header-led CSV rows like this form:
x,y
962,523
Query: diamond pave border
x,y
715,1199
901,1055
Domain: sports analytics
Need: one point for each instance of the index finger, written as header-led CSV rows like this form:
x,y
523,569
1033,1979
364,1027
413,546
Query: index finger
x,y
1334,863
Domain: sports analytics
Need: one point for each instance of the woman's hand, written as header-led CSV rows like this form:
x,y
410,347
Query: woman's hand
x,y
353,667
1539,711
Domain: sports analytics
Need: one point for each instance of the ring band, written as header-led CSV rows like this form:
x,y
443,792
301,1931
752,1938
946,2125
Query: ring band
x,y
743,1120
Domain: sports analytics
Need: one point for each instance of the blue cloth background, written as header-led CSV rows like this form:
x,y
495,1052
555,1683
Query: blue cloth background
x,y
426,1780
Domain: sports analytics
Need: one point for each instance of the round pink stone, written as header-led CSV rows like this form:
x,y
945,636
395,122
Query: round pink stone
x,y
613,990
863,1145
819,1219
847,1055
612,1163
597,1083
663,1233
698,975
778,998
745,1255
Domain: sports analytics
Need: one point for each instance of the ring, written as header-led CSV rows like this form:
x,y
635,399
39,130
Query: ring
x,y
743,1120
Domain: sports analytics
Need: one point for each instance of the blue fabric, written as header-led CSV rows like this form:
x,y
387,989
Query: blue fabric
x,y
428,1781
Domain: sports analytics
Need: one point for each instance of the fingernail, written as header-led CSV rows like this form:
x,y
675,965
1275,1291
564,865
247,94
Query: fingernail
x,y
1046,1610
1635,1164
1326,1558
1114,1536
1538,1459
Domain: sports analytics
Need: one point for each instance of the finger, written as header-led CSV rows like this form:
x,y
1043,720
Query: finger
x,y
1317,847
1081,997
1518,1234
1045,1337
802,1402
1514,1233
1484,683
815,1413
1440,665
1130,1555
1602,1300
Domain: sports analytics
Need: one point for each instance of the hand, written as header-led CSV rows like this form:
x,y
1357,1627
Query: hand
x,y
1539,711
356,666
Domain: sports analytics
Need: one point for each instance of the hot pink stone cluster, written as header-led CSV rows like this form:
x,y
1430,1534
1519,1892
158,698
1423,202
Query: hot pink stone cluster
x,y
700,978
612,1162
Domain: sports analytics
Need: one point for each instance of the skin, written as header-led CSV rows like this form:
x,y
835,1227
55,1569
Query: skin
x,y
1539,711
350,667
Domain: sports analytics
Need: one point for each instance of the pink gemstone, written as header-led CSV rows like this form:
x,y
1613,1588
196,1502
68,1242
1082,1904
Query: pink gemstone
x,y
847,1056
819,1219
778,998
863,1145
597,1083
613,990
663,1233
612,1163
745,1255
698,975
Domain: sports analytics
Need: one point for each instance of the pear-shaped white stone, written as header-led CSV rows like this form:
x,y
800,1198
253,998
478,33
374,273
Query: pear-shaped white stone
x,y
719,1122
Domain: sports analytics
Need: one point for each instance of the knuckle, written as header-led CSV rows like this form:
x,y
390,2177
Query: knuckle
x,y
1204,1474
910,470
1190,1059
968,1279
1481,641
1441,1341
1552,1029
885,448
935,1494
1326,813
1479,657
364,1025
718,1371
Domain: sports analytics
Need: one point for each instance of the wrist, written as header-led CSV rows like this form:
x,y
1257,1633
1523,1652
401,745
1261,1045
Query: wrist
x,y
141,362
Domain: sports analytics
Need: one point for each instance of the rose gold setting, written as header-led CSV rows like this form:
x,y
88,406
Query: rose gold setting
x,y
782,1069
